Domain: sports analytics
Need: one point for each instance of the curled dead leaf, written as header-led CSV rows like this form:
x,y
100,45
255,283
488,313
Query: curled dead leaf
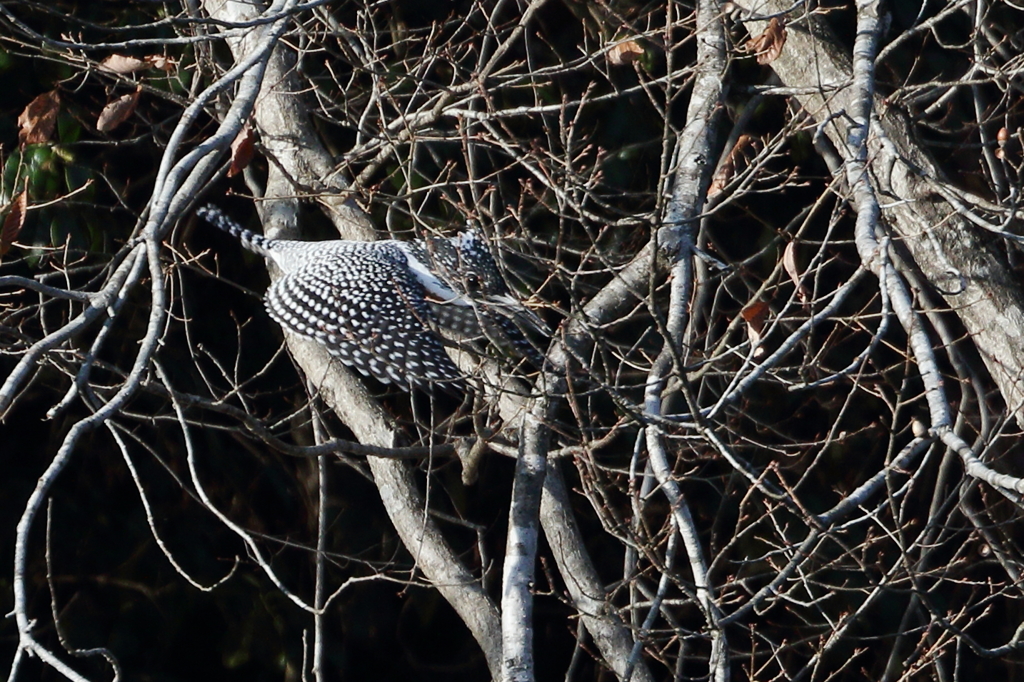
x,y
39,119
727,170
793,270
768,45
242,150
117,111
625,52
722,177
119,63
13,222
161,62
755,315
1002,137
123,64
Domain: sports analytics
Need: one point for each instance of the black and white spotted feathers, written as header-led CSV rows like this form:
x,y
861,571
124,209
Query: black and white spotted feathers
x,y
374,305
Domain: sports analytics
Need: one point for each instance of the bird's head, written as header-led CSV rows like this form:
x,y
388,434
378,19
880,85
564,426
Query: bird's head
x,y
467,266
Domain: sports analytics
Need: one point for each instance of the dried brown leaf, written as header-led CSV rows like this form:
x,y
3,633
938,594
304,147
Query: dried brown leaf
x,y
625,52
793,270
1002,137
727,170
39,118
755,315
161,62
13,222
768,45
119,63
117,111
722,176
242,150
123,64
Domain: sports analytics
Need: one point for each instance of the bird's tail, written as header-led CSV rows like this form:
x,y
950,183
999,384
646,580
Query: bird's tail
x,y
250,240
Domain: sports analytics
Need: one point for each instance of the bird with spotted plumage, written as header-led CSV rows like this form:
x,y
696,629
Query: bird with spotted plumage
x,y
377,306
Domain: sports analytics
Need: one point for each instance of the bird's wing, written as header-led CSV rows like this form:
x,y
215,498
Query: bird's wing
x,y
369,312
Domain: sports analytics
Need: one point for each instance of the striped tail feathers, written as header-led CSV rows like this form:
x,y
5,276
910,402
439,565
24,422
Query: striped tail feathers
x,y
250,240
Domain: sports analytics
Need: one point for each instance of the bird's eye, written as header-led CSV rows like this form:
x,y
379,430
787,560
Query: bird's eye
x,y
472,281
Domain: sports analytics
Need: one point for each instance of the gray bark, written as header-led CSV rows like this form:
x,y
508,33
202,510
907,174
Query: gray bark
x,y
960,261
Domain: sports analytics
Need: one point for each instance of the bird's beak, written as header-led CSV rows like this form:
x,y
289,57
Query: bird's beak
x,y
514,309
